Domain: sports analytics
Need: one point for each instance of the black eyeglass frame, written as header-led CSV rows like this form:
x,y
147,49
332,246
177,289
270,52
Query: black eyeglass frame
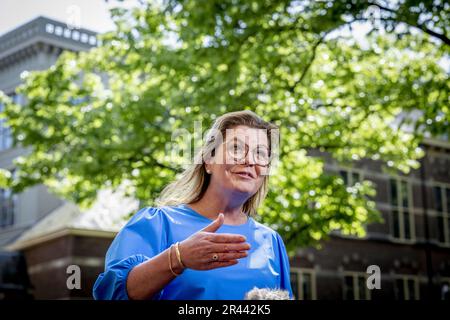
x,y
247,149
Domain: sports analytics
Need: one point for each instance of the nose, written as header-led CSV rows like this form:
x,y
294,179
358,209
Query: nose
x,y
249,159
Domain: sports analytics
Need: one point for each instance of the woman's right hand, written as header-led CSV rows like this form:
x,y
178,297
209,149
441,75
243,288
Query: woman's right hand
x,y
198,250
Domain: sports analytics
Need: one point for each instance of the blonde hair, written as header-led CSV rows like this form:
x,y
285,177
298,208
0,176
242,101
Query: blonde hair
x,y
193,182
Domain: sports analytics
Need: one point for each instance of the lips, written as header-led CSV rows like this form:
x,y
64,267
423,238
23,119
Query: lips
x,y
245,174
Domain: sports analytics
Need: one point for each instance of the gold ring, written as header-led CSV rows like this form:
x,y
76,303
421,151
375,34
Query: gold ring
x,y
215,256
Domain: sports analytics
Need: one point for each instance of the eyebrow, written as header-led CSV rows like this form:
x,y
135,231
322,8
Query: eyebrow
x,y
236,138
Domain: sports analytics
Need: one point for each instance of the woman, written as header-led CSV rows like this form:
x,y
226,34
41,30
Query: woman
x,y
201,242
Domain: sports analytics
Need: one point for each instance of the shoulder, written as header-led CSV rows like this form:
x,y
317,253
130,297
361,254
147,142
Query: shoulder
x,y
160,215
267,231
272,237
147,215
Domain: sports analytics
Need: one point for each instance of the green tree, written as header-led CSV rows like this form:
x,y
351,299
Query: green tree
x,y
98,118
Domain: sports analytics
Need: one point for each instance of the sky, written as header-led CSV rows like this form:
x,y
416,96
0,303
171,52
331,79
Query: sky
x,y
89,14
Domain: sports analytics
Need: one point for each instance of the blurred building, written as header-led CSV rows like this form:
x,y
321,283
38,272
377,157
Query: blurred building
x,y
411,248
51,233
33,46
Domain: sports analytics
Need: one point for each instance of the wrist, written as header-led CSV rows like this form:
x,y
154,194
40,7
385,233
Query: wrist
x,y
176,266
178,254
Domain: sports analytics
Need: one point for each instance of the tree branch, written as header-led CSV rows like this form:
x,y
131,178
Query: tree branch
x,y
417,25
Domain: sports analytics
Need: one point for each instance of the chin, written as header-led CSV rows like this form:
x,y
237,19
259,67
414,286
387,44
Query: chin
x,y
247,191
250,190
248,187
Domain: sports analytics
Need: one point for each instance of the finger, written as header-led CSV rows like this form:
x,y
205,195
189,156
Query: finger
x,y
213,226
228,247
221,264
229,256
226,237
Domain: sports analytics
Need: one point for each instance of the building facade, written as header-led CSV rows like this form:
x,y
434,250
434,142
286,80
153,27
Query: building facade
x,y
33,46
411,247
50,233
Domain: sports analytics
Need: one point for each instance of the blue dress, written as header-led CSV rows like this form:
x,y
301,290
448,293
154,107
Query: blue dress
x,y
153,229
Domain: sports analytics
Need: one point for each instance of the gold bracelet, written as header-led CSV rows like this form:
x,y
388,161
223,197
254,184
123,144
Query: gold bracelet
x,y
170,263
177,250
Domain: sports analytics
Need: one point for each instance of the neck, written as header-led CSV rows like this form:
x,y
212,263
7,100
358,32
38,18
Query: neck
x,y
214,202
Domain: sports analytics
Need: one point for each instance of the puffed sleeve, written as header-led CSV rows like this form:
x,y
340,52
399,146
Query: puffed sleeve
x,y
142,238
285,278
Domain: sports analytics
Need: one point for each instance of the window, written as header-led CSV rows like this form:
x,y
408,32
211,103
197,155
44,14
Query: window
x,y
303,283
6,140
50,28
350,176
8,204
295,283
5,133
442,206
406,288
7,208
355,286
58,30
402,223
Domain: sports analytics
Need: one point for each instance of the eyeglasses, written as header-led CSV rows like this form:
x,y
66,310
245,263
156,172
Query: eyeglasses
x,y
237,150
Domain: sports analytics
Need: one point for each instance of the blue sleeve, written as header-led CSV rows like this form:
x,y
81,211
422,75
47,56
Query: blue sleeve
x,y
285,278
141,239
